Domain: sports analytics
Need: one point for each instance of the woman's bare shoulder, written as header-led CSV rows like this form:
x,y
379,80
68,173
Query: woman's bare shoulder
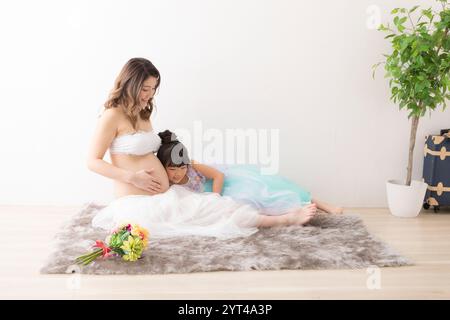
x,y
112,113
111,119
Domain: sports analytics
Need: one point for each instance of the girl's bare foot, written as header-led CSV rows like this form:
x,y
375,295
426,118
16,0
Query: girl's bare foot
x,y
333,210
310,209
337,210
302,215
328,208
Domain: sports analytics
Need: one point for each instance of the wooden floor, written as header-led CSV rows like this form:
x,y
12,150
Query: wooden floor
x,y
27,233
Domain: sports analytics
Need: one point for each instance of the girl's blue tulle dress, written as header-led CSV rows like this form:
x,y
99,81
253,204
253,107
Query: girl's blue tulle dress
x,y
270,194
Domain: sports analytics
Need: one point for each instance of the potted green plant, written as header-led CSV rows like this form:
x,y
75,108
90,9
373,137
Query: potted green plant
x,y
418,68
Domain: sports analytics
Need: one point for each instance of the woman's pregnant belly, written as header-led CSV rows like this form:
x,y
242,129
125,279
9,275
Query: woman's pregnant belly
x,y
137,163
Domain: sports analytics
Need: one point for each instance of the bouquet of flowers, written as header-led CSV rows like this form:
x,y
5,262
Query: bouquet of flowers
x,y
127,241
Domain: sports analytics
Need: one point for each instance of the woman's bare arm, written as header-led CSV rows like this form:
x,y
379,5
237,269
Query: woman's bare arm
x,y
104,134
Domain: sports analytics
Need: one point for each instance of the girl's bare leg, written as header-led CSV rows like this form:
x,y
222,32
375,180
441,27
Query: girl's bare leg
x,y
327,207
295,217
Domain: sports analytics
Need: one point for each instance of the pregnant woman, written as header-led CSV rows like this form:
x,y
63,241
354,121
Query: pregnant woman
x,y
141,183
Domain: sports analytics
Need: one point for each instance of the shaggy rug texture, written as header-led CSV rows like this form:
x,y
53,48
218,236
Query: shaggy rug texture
x,y
327,242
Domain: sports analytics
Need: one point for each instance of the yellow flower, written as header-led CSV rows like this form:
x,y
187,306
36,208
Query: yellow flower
x,y
138,231
130,257
133,248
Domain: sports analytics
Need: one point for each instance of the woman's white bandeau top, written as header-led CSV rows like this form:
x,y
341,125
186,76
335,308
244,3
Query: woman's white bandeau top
x,y
139,143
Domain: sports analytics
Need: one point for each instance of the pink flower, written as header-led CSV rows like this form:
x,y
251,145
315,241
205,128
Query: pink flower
x,y
105,249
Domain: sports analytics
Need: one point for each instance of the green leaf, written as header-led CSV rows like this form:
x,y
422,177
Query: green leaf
x,y
428,14
382,28
413,9
418,86
402,104
404,44
423,47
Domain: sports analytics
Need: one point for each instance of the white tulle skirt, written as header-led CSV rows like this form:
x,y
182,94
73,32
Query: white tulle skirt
x,y
180,212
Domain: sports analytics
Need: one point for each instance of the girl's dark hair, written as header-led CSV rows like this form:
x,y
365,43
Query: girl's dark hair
x,y
172,153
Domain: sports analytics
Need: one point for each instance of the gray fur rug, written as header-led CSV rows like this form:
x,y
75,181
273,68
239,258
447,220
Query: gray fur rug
x,y
327,242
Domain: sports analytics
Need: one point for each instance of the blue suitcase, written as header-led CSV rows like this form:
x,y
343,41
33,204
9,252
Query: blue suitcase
x,y
436,170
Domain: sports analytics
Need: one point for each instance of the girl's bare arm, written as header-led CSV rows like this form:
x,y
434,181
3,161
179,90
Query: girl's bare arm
x,y
210,173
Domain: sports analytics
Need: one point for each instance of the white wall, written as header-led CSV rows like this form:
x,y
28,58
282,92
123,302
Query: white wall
x,y
303,67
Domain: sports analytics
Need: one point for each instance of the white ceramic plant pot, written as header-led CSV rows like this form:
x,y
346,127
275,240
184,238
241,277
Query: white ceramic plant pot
x,y
405,201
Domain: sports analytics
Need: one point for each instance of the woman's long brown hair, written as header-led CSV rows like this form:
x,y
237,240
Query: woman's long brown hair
x,y
127,87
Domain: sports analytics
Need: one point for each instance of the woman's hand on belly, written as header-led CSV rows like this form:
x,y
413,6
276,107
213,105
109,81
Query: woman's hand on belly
x,y
140,181
146,180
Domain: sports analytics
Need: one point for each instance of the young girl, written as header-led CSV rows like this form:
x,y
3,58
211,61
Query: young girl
x,y
269,194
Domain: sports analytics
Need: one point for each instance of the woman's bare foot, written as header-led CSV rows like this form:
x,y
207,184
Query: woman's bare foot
x,y
302,215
